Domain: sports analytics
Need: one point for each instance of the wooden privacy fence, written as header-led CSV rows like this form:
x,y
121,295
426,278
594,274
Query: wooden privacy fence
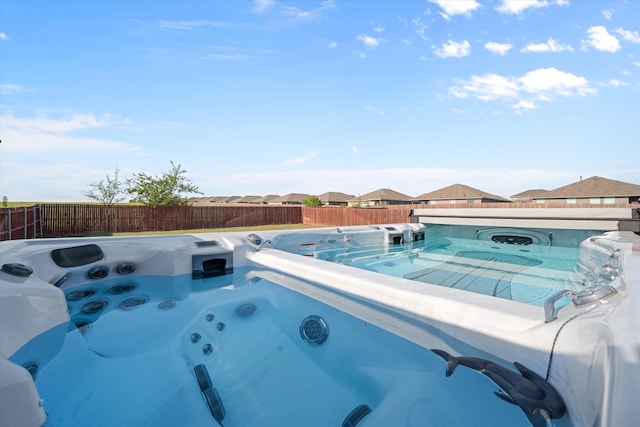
x,y
76,219
20,223
340,216
66,219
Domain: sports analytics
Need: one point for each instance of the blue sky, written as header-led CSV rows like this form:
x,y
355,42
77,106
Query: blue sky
x,y
275,97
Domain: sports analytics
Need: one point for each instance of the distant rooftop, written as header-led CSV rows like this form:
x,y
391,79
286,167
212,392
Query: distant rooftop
x,y
595,186
458,192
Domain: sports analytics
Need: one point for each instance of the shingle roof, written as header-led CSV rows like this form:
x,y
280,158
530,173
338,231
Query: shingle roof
x,y
247,199
291,197
530,193
383,194
458,192
266,199
332,196
594,187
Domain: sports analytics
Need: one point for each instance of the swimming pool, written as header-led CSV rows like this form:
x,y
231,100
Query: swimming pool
x,y
235,329
525,265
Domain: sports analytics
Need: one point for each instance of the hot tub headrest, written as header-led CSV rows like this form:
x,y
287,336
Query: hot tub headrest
x,y
77,255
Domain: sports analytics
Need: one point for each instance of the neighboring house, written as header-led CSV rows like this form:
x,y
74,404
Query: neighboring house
x,y
529,195
381,197
289,199
595,191
247,199
458,194
334,198
207,201
200,201
230,199
266,199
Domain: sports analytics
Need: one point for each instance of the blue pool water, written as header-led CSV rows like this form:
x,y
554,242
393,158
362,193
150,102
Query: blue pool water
x,y
131,362
525,273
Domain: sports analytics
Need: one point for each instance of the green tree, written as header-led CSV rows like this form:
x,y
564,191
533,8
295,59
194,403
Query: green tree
x,y
109,192
5,201
165,190
312,202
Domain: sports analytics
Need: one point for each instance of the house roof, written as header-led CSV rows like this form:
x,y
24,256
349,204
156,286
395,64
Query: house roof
x,y
290,198
332,196
530,193
383,194
458,192
247,199
266,199
595,186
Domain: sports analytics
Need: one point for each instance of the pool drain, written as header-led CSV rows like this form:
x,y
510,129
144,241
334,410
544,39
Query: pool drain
x,y
314,330
93,307
132,302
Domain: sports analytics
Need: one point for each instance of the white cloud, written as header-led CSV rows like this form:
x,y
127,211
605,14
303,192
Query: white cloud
x,y
308,14
487,87
550,46
444,16
541,85
371,108
498,48
261,6
522,106
8,89
517,7
354,149
421,28
332,45
3,36
56,134
608,14
454,49
599,38
300,160
457,7
616,83
553,82
632,36
369,41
